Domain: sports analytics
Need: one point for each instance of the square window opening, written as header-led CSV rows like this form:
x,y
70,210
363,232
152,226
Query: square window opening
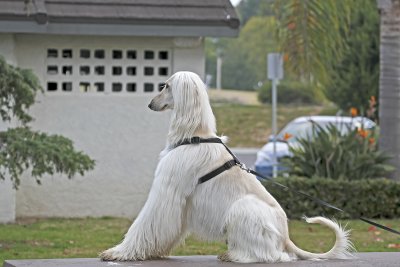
x,y
52,70
85,53
116,70
99,87
67,87
116,87
163,71
131,54
99,70
131,87
148,71
52,86
117,54
67,53
52,53
148,54
84,70
163,55
131,71
67,70
84,87
148,87
99,53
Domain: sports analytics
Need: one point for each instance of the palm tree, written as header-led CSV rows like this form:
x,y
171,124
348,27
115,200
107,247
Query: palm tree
x,y
389,84
311,34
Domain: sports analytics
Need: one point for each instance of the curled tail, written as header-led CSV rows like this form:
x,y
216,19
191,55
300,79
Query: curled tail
x,y
341,250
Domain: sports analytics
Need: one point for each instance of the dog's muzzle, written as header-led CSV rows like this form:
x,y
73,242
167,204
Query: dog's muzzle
x,y
151,105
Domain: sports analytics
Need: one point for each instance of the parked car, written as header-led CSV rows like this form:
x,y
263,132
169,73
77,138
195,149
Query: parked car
x,y
299,128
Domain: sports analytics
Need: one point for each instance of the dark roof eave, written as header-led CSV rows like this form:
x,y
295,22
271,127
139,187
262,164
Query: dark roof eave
x,y
233,23
116,28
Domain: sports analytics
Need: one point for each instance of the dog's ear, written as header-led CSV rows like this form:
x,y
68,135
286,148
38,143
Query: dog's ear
x,y
192,110
185,92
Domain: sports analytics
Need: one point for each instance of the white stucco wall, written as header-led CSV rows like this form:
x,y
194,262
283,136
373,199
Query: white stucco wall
x,y
7,202
7,193
120,133
7,46
116,129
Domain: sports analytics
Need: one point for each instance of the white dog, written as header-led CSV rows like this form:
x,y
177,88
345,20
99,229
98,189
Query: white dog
x,y
232,207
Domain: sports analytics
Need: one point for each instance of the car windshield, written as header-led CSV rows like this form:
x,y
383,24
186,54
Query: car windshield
x,y
296,130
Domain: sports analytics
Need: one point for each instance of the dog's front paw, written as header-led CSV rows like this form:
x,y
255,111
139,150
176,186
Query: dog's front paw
x,y
112,255
224,257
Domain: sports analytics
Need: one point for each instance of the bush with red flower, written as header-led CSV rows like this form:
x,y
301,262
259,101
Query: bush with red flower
x,y
342,155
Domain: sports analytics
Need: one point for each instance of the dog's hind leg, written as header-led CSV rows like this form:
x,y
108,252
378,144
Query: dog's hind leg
x,y
254,233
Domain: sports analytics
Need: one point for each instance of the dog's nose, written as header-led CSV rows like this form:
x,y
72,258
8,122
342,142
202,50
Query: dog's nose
x,y
151,105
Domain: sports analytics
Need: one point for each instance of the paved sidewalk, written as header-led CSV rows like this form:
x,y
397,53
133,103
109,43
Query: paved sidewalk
x,y
373,259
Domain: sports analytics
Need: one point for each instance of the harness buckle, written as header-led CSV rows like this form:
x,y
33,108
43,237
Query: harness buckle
x,y
195,140
243,166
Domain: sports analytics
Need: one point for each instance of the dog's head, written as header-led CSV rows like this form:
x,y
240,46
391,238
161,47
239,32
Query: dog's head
x,y
180,90
186,94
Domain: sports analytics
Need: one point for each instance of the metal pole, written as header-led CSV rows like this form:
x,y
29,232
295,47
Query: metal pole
x,y
219,65
274,127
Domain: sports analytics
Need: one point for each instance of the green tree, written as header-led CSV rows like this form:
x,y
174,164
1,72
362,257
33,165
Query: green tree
x,y
355,78
23,149
244,58
250,8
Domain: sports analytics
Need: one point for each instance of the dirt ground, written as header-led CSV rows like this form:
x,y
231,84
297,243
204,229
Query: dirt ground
x,y
233,96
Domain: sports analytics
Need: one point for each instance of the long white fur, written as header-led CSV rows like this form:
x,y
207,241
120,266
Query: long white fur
x,y
233,206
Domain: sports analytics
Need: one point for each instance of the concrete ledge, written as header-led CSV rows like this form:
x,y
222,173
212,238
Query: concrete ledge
x,y
374,259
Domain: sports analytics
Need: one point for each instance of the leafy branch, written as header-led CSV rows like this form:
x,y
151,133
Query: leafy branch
x,y
22,148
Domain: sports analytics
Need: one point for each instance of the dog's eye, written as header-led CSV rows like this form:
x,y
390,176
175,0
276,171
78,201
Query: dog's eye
x,y
162,86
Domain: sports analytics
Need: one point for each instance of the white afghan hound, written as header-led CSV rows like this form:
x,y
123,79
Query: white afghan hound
x,y
232,207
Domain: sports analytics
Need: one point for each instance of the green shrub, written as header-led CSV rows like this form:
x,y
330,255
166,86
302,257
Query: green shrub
x,y
333,154
371,198
354,78
289,93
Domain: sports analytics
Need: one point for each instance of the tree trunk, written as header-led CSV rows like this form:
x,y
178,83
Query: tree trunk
x,y
389,83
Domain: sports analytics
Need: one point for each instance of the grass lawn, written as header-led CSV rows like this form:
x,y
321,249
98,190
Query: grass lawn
x,y
73,238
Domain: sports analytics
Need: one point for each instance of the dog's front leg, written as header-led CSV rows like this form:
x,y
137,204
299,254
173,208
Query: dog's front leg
x,y
157,229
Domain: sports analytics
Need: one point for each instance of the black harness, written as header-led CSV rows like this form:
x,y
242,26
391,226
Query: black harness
x,y
226,166
235,162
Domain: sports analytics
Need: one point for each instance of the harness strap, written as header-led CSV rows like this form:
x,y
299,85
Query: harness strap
x,y
197,140
227,165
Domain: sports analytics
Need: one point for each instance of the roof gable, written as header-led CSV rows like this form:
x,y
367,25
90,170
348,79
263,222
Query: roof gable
x,y
186,13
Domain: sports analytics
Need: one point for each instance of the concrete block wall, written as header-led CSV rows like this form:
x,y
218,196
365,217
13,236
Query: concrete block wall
x,y
116,129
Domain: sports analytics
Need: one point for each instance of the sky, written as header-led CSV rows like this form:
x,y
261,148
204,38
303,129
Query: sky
x,y
235,2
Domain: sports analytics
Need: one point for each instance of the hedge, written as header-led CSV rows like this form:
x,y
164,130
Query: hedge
x,y
289,92
371,198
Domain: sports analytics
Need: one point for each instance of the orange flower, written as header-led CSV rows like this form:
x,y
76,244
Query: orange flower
x,y
372,101
363,133
285,57
287,136
291,26
353,112
371,141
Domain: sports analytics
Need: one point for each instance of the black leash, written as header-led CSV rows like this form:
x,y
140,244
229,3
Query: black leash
x,y
323,203
235,162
